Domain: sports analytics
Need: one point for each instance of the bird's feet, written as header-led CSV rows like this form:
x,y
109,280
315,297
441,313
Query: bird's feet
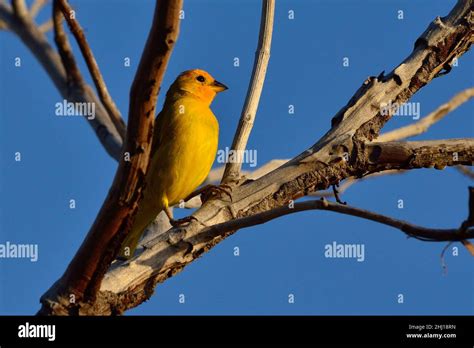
x,y
210,191
214,191
183,221
178,222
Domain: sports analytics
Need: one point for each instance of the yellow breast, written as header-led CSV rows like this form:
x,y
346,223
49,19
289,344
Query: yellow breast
x,y
188,136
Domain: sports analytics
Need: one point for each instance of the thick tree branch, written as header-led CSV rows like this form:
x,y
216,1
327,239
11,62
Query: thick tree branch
x,y
385,157
469,222
249,110
352,180
418,154
85,272
37,43
216,174
426,122
93,67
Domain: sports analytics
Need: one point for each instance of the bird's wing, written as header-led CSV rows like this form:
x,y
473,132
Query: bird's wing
x,y
157,133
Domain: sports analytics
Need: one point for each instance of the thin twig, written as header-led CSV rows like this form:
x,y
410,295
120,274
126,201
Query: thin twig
x,y
36,7
262,56
426,122
20,9
415,231
5,9
444,266
73,73
3,25
466,171
93,67
46,26
37,42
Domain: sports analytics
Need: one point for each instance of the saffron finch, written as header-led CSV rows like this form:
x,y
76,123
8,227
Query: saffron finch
x,y
184,148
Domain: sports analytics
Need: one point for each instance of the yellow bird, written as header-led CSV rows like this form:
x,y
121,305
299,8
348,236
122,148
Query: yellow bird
x,y
184,147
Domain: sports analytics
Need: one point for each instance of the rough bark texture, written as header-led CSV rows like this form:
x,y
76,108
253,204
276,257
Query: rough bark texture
x,y
419,154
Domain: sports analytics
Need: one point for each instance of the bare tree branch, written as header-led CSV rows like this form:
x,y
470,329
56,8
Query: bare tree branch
x,y
352,180
19,8
4,7
422,125
36,7
85,272
93,67
3,25
46,26
119,277
216,175
436,154
418,232
38,44
249,111
466,171
74,76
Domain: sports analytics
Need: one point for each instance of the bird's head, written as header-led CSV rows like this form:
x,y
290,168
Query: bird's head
x,y
198,83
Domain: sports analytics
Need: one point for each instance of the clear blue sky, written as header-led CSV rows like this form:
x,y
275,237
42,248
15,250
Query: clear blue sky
x,y
63,160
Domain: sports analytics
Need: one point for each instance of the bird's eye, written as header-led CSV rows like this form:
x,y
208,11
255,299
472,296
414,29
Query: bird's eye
x,y
200,78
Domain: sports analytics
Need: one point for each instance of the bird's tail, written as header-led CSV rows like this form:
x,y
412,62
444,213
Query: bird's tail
x,y
127,249
143,218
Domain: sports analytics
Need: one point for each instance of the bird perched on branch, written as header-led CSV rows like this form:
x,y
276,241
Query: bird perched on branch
x,y
184,148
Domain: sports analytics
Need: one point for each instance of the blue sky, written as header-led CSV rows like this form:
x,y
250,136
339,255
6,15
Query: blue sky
x,y
62,160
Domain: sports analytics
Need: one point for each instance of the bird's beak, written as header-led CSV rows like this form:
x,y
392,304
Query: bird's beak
x,y
219,87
